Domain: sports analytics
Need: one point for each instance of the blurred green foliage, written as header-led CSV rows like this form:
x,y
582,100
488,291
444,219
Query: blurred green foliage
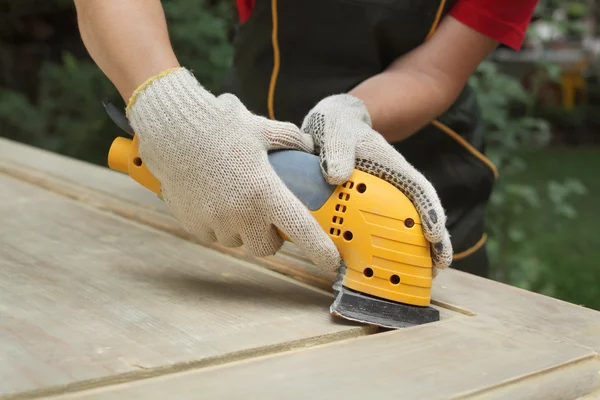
x,y
511,128
567,249
51,92
57,106
566,16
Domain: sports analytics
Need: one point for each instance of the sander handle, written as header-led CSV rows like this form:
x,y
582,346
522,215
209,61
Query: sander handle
x,y
300,171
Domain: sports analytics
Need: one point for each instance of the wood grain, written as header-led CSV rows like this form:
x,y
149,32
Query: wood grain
x,y
566,381
590,396
458,358
453,290
86,296
117,193
89,300
99,178
519,307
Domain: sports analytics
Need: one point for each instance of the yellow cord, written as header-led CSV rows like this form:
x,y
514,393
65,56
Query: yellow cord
x,y
471,250
275,71
438,16
467,146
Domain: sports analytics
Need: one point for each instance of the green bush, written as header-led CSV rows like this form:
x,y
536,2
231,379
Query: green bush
x,y
510,128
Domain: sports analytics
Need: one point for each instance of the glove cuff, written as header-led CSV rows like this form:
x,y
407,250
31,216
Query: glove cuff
x,y
141,88
176,97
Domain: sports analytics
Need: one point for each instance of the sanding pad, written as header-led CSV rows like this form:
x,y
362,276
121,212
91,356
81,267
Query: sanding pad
x,y
359,307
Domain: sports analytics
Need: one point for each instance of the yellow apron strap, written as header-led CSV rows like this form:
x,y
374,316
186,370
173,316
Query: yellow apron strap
x,y
275,71
436,21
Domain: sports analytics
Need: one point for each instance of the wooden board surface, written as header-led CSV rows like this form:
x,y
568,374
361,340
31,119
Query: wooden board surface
x,y
519,307
117,193
118,185
464,357
453,290
511,343
591,396
85,295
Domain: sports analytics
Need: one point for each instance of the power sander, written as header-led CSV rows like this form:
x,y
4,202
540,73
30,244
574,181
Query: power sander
x,y
386,274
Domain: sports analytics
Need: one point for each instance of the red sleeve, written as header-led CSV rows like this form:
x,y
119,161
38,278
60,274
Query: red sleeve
x,y
244,8
503,20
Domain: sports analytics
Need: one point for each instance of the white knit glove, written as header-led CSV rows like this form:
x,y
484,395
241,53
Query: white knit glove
x,y
210,156
341,128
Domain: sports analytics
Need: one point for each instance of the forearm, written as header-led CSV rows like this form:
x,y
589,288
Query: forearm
x,y
421,85
401,101
128,40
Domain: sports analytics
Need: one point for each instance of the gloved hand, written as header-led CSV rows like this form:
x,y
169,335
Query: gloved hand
x,y
341,128
210,156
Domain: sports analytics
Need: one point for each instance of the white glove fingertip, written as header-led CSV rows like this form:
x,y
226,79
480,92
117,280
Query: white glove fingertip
x,y
262,243
298,224
434,221
317,245
337,171
285,135
207,236
229,240
442,253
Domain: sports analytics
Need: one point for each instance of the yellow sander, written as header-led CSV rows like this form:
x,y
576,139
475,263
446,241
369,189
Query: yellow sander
x,y
386,276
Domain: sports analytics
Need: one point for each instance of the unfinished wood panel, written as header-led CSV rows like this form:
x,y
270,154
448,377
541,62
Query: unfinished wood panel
x,y
450,359
571,381
452,289
117,193
591,396
85,296
519,307
102,179
90,175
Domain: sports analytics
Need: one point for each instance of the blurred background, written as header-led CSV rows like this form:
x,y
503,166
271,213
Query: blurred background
x,y
541,106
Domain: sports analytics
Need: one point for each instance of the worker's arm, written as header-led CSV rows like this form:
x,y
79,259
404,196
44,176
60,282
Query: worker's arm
x,y
421,85
128,40
209,153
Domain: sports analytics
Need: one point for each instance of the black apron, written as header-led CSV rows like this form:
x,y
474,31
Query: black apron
x,y
325,47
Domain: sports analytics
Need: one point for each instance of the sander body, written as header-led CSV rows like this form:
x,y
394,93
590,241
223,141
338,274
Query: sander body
x,y
386,274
